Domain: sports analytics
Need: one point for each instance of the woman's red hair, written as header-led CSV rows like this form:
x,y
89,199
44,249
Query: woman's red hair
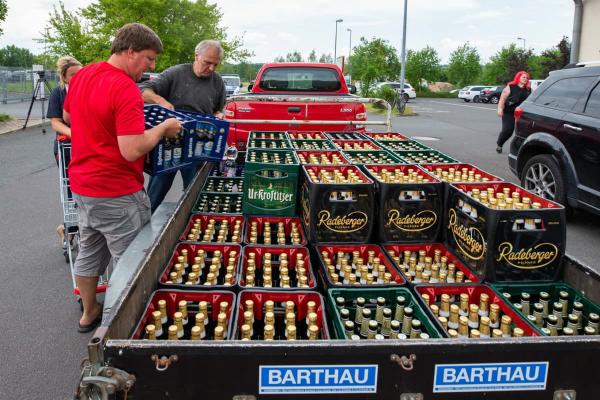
x,y
518,78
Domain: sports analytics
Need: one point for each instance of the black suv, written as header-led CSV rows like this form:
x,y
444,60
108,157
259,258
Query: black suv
x,y
556,148
491,95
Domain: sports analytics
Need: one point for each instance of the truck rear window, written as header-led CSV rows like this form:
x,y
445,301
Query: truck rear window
x,y
300,79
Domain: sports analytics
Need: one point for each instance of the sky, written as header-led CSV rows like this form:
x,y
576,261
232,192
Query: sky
x,y
272,28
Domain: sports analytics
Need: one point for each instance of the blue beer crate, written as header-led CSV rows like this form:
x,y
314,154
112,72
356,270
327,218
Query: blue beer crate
x,y
169,154
210,139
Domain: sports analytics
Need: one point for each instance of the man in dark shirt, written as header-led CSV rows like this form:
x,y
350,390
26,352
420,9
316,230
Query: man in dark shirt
x,y
193,87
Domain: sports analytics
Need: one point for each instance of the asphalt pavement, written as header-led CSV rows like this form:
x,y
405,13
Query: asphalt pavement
x,y
42,350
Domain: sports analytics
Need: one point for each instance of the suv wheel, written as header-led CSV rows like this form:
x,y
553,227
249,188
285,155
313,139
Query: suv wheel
x,y
541,175
476,99
494,100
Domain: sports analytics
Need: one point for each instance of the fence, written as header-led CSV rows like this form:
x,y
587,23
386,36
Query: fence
x,y
17,83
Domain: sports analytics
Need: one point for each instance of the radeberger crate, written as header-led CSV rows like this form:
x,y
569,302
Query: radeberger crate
x,y
504,233
402,145
409,203
306,135
382,157
269,144
346,135
322,158
386,136
460,173
270,182
267,135
214,228
551,307
425,157
337,204
312,145
218,203
356,145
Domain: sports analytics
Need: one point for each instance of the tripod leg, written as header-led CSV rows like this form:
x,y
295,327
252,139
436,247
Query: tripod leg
x,y
35,91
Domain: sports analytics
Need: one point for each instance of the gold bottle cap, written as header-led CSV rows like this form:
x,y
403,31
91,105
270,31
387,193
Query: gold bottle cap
x,y
246,331
196,333
172,332
291,332
150,332
249,306
313,332
219,333
496,333
475,334
156,315
183,308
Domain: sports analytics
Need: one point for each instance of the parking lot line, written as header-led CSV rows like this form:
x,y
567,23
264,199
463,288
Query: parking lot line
x,y
460,105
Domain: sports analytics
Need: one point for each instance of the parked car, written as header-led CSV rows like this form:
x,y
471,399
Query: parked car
x,y
409,91
148,76
491,95
469,93
556,148
232,84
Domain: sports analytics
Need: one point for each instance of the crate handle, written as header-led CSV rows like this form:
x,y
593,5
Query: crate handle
x,y
164,362
406,363
342,196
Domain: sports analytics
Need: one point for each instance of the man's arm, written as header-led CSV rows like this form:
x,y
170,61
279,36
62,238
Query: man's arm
x,y
151,97
59,126
133,147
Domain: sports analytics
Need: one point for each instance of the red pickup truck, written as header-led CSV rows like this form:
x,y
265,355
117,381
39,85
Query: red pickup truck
x,y
285,91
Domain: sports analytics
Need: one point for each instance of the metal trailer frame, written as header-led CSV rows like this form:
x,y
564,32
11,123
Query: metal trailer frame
x,y
119,368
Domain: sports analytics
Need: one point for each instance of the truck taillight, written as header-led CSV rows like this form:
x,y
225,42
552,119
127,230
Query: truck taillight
x,y
361,116
518,113
229,114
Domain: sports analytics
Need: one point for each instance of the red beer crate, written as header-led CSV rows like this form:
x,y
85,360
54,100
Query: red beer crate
x,y
260,223
356,145
277,281
386,136
328,157
203,220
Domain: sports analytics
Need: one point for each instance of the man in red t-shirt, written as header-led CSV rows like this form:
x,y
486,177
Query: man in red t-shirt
x,y
106,113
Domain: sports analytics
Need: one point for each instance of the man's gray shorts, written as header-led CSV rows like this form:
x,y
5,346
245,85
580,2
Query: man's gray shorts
x,y
106,227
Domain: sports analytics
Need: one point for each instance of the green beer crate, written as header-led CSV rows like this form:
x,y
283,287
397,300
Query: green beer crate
x,y
312,145
267,135
379,157
558,292
425,157
271,182
403,145
269,144
370,295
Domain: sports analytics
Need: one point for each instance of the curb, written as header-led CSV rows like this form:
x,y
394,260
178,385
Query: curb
x,y
17,125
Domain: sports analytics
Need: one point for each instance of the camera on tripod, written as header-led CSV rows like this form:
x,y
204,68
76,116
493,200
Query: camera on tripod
x,y
41,74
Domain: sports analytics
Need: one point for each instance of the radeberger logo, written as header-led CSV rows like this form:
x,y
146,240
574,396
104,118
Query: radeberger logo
x,y
352,222
269,195
306,208
412,222
535,257
470,240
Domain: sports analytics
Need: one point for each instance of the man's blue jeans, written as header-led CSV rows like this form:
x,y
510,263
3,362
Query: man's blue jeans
x,y
159,185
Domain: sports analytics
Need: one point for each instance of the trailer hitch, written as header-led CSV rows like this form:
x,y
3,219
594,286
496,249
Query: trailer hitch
x,y
407,363
100,382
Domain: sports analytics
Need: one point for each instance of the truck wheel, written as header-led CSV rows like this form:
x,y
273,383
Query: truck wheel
x,y
494,100
541,175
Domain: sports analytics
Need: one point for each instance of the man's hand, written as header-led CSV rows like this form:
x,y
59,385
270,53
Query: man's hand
x,y
171,127
219,115
164,103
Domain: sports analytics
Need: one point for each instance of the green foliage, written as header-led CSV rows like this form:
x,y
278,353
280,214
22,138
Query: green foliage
x,y
464,66
312,57
373,61
181,24
3,12
5,117
505,64
426,93
555,58
13,56
294,57
326,58
385,92
422,65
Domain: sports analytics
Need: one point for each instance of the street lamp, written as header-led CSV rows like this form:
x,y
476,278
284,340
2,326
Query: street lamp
x,y
350,45
523,39
337,21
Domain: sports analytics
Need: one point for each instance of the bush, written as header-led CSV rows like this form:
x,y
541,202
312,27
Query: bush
x,y
426,93
4,117
385,92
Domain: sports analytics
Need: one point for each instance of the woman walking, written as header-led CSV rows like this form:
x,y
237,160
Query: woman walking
x,y
512,96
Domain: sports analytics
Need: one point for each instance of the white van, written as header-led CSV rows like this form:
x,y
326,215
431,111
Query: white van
x,y
232,84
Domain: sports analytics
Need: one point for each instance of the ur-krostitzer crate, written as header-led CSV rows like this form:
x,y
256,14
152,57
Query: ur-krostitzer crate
x,y
306,135
425,157
218,203
346,135
402,145
386,136
382,157
267,135
312,145
356,145
269,144
322,158
213,228
337,204
223,185
409,203
504,233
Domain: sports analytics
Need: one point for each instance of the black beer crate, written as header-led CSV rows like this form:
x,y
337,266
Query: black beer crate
x,y
346,135
301,300
204,281
337,212
450,270
306,135
386,136
505,244
380,157
402,145
295,274
267,135
460,173
329,157
271,182
376,269
573,302
269,144
338,299
202,220
356,145
214,299
312,145
223,185
431,295
425,157
218,203
406,212
260,222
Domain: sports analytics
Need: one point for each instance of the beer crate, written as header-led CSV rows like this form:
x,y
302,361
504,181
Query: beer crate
x,y
351,299
169,154
402,145
269,144
202,221
172,298
218,203
346,135
425,157
322,158
406,212
386,136
337,212
216,172
367,262
299,275
270,186
356,145
306,135
261,222
431,295
267,135
460,173
223,185
278,299
382,157
546,294
223,277
449,270
210,139
505,245
312,145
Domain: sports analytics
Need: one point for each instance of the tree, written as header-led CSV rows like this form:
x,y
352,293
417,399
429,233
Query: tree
x,y
279,59
556,57
13,56
326,58
505,64
293,57
373,61
181,24
464,66
312,57
422,65
3,12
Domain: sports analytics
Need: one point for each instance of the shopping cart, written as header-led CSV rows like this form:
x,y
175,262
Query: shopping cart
x,y
71,220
